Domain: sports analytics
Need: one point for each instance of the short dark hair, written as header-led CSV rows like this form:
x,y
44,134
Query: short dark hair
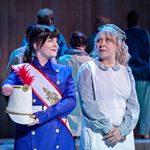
x,y
38,34
132,18
78,39
44,15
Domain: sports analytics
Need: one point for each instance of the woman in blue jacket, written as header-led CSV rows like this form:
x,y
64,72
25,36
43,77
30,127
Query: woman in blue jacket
x,y
49,129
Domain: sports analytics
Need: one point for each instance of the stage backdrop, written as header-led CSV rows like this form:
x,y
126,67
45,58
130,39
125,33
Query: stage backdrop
x,y
70,15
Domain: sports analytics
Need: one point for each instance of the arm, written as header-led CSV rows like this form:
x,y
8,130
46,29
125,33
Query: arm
x,y
64,106
7,88
132,110
94,116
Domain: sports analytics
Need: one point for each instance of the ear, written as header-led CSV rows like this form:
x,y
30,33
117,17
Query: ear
x,y
35,46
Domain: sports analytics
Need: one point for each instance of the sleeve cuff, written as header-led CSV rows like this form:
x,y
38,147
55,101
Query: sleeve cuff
x,y
124,130
107,129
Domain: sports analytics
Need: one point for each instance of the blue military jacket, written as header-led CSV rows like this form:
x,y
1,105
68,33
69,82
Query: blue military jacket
x,y
50,133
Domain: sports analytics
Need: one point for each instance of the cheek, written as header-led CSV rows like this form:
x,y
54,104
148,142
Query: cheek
x,y
97,45
116,49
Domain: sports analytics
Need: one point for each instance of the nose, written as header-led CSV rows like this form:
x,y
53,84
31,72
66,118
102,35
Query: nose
x,y
102,43
55,43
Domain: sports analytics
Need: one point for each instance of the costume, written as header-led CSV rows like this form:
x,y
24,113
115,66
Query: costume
x,y
138,42
51,132
108,99
75,58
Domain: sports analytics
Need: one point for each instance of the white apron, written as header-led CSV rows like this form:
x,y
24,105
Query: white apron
x,y
113,108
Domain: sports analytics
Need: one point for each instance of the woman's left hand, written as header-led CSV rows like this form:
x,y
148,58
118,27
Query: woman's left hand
x,y
114,136
36,120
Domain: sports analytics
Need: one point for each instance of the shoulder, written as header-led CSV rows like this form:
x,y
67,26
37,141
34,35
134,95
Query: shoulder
x,y
17,54
82,58
128,69
61,68
130,73
19,50
88,64
56,29
86,67
64,59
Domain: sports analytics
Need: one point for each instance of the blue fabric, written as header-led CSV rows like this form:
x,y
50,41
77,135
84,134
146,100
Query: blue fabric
x,y
46,137
139,49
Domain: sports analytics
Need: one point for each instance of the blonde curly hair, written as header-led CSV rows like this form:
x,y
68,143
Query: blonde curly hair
x,y
111,31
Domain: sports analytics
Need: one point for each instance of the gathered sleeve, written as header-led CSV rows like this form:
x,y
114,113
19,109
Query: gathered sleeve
x,y
91,110
132,109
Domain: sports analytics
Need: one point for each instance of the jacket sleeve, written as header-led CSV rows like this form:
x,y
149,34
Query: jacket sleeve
x,y
92,113
13,79
64,106
132,109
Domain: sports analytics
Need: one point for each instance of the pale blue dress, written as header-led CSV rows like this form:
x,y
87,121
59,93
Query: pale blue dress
x,y
108,99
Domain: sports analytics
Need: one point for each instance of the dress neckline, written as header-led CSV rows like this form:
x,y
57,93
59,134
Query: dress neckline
x,y
116,67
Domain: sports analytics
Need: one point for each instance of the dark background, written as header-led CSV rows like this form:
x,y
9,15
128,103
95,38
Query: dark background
x,y
70,15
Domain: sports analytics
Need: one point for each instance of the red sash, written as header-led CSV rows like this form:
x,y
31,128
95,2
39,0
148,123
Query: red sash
x,y
41,85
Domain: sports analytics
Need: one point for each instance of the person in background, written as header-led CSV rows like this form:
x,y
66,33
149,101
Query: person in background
x,y
107,93
45,16
75,57
16,56
48,130
138,41
100,20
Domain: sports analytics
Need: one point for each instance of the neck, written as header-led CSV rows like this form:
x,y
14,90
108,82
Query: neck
x,y
82,48
108,63
42,60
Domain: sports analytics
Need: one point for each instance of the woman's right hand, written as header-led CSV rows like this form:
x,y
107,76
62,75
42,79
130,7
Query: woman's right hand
x,y
7,89
114,136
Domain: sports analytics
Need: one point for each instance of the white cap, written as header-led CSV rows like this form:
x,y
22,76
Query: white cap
x,y
20,104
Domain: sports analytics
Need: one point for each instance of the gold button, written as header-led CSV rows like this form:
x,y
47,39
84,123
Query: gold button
x,y
34,100
57,146
57,130
57,70
33,132
58,82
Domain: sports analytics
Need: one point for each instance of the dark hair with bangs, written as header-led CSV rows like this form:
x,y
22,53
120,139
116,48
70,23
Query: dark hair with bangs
x,y
38,35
